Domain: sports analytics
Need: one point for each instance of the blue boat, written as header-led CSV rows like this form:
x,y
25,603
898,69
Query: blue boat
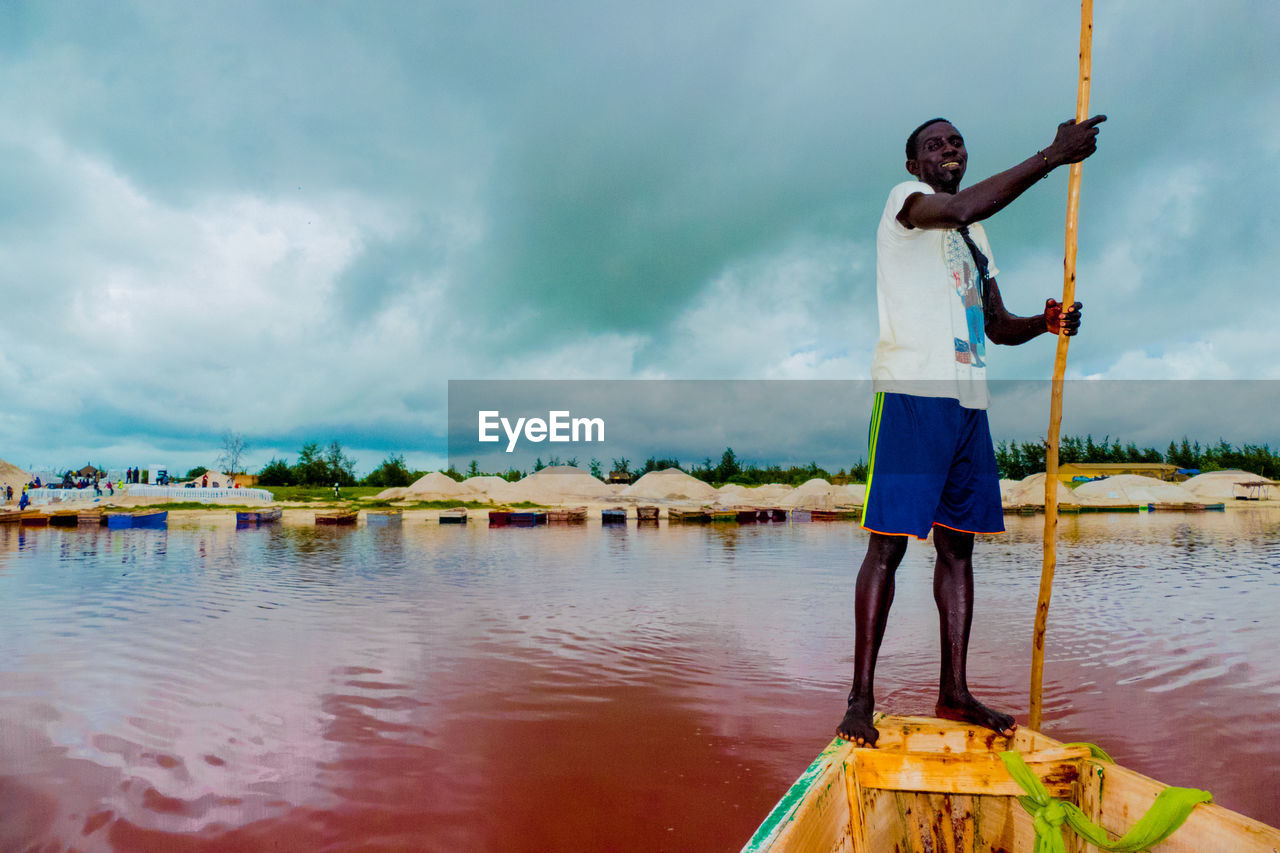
x,y
258,516
156,519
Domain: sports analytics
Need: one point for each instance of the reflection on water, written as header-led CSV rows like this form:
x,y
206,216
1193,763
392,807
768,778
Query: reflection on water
x,y
448,688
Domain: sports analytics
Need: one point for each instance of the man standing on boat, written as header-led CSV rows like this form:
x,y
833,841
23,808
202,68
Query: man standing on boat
x,y
932,463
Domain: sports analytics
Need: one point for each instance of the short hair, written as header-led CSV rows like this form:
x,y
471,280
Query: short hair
x,y
914,138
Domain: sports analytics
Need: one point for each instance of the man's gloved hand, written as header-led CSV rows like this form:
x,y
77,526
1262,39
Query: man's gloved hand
x,y
1058,321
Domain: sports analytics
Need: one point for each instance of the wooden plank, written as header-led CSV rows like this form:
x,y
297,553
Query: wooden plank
x,y
814,813
1126,795
927,734
965,773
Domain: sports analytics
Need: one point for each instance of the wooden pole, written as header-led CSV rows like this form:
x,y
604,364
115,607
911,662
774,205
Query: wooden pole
x,y
1059,370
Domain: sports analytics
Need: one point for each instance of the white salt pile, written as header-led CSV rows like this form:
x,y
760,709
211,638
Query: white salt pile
x,y
854,493
1006,488
815,494
1029,491
670,484
430,487
1132,489
733,494
1219,486
559,484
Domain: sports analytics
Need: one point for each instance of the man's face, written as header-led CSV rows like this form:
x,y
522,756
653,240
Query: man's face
x,y
940,157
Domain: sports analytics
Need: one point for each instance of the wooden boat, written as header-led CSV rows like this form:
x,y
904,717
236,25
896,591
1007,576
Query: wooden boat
x,y
457,515
724,515
689,516
776,513
33,518
259,516
570,515
384,517
823,515
333,517
147,519
646,513
935,785
90,518
1171,507
151,518
527,519
802,515
64,518
11,516
499,517
615,515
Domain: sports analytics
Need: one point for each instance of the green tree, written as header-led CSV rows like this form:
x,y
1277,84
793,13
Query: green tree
x,y
391,473
339,468
275,473
310,469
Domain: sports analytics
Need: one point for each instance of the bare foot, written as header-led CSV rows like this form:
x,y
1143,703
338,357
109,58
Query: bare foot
x,y
856,725
966,709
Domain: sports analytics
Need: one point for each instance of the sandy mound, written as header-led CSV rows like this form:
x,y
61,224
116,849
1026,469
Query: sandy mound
x,y
558,484
1133,489
12,475
1006,488
671,484
437,486
1030,492
816,486
819,494
1219,486
733,494
854,493
216,480
395,493
491,488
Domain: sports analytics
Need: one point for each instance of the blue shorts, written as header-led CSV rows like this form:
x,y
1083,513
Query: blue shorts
x,y
931,463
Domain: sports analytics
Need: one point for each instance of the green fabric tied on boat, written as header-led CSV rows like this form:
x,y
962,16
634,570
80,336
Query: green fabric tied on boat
x,y
1167,813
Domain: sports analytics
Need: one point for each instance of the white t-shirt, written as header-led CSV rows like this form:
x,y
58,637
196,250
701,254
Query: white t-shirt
x,y
932,342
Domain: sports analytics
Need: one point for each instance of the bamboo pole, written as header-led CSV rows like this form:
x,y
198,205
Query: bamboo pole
x,y
1059,370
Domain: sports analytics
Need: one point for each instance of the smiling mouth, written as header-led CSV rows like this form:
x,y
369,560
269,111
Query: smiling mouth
x,y
951,164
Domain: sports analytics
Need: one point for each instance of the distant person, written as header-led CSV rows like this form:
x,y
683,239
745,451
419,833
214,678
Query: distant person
x,y
25,501
933,464
336,492
204,481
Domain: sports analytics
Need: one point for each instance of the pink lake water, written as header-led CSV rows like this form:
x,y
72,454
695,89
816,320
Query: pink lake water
x,y
576,688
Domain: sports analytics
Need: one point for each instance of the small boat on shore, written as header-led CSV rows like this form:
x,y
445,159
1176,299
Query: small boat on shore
x,y
337,517
150,519
64,518
457,515
259,516
527,519
689,516
937,785
646,513
90,518
384,517
615,515
499,517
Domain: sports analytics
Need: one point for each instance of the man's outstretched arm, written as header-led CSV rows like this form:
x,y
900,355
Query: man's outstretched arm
x,y
1073,143
1004,328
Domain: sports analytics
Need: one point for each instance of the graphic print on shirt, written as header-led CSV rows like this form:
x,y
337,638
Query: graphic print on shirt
x,y
972,348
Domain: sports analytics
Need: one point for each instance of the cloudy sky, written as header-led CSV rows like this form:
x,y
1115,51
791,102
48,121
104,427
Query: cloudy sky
x,y
298,220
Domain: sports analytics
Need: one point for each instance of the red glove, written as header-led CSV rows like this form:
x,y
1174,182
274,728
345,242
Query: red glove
x,y
1059,322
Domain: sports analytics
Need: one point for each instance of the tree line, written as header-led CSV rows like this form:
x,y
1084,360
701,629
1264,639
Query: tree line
x,y
1022,459
318,466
